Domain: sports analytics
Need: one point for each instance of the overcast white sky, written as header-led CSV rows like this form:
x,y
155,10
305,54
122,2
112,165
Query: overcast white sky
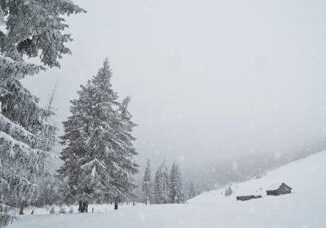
x,y
209,79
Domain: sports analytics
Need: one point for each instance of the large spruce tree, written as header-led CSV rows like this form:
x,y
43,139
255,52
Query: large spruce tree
x,y
35,29
98,145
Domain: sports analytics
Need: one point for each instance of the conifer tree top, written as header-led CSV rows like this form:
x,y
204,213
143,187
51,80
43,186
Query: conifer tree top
x,y
36,28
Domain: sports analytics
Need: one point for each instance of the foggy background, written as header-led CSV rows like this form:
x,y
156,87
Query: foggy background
x,y
210,81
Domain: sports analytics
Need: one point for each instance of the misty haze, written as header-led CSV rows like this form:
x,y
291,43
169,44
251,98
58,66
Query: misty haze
x,y
167,113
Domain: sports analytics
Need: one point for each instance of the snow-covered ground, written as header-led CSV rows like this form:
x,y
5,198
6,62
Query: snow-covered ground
x,y
305,207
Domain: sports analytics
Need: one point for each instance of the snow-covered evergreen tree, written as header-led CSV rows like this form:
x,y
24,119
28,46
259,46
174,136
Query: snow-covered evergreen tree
x,y
158,187
147,184
176,194
165,183
51,183
191,191
161,185
32,28
36,28
98,154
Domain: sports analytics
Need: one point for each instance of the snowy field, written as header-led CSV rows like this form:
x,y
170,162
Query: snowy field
x,y
304,208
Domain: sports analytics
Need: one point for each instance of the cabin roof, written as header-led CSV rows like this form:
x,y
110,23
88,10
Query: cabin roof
x,y
277,186
283,185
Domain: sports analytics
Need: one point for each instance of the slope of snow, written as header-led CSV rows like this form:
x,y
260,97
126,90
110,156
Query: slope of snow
x,y
306,177
305,207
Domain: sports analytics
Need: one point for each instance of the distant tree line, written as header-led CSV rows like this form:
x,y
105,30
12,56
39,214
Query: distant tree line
x,y
165,186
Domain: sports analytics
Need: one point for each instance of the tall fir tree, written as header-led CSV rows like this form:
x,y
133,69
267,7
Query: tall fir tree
x,y
158,187
36,29
98,145
147,185
175,194
165,183
161,185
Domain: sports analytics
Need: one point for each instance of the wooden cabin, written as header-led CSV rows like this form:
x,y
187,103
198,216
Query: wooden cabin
x,y
282,189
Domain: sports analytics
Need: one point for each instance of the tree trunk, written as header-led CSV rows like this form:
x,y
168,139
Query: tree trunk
x,y
115,205
86,207
83,206
80,206
22,206
146,195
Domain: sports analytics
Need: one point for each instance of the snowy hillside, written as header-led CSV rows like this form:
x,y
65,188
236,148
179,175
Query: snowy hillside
x,y
306,176
305,207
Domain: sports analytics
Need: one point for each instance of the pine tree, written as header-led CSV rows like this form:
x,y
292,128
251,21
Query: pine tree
x,y
165,184
191,191
175,194
33,28
157,187
48,191
147,184
98,154
161,185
